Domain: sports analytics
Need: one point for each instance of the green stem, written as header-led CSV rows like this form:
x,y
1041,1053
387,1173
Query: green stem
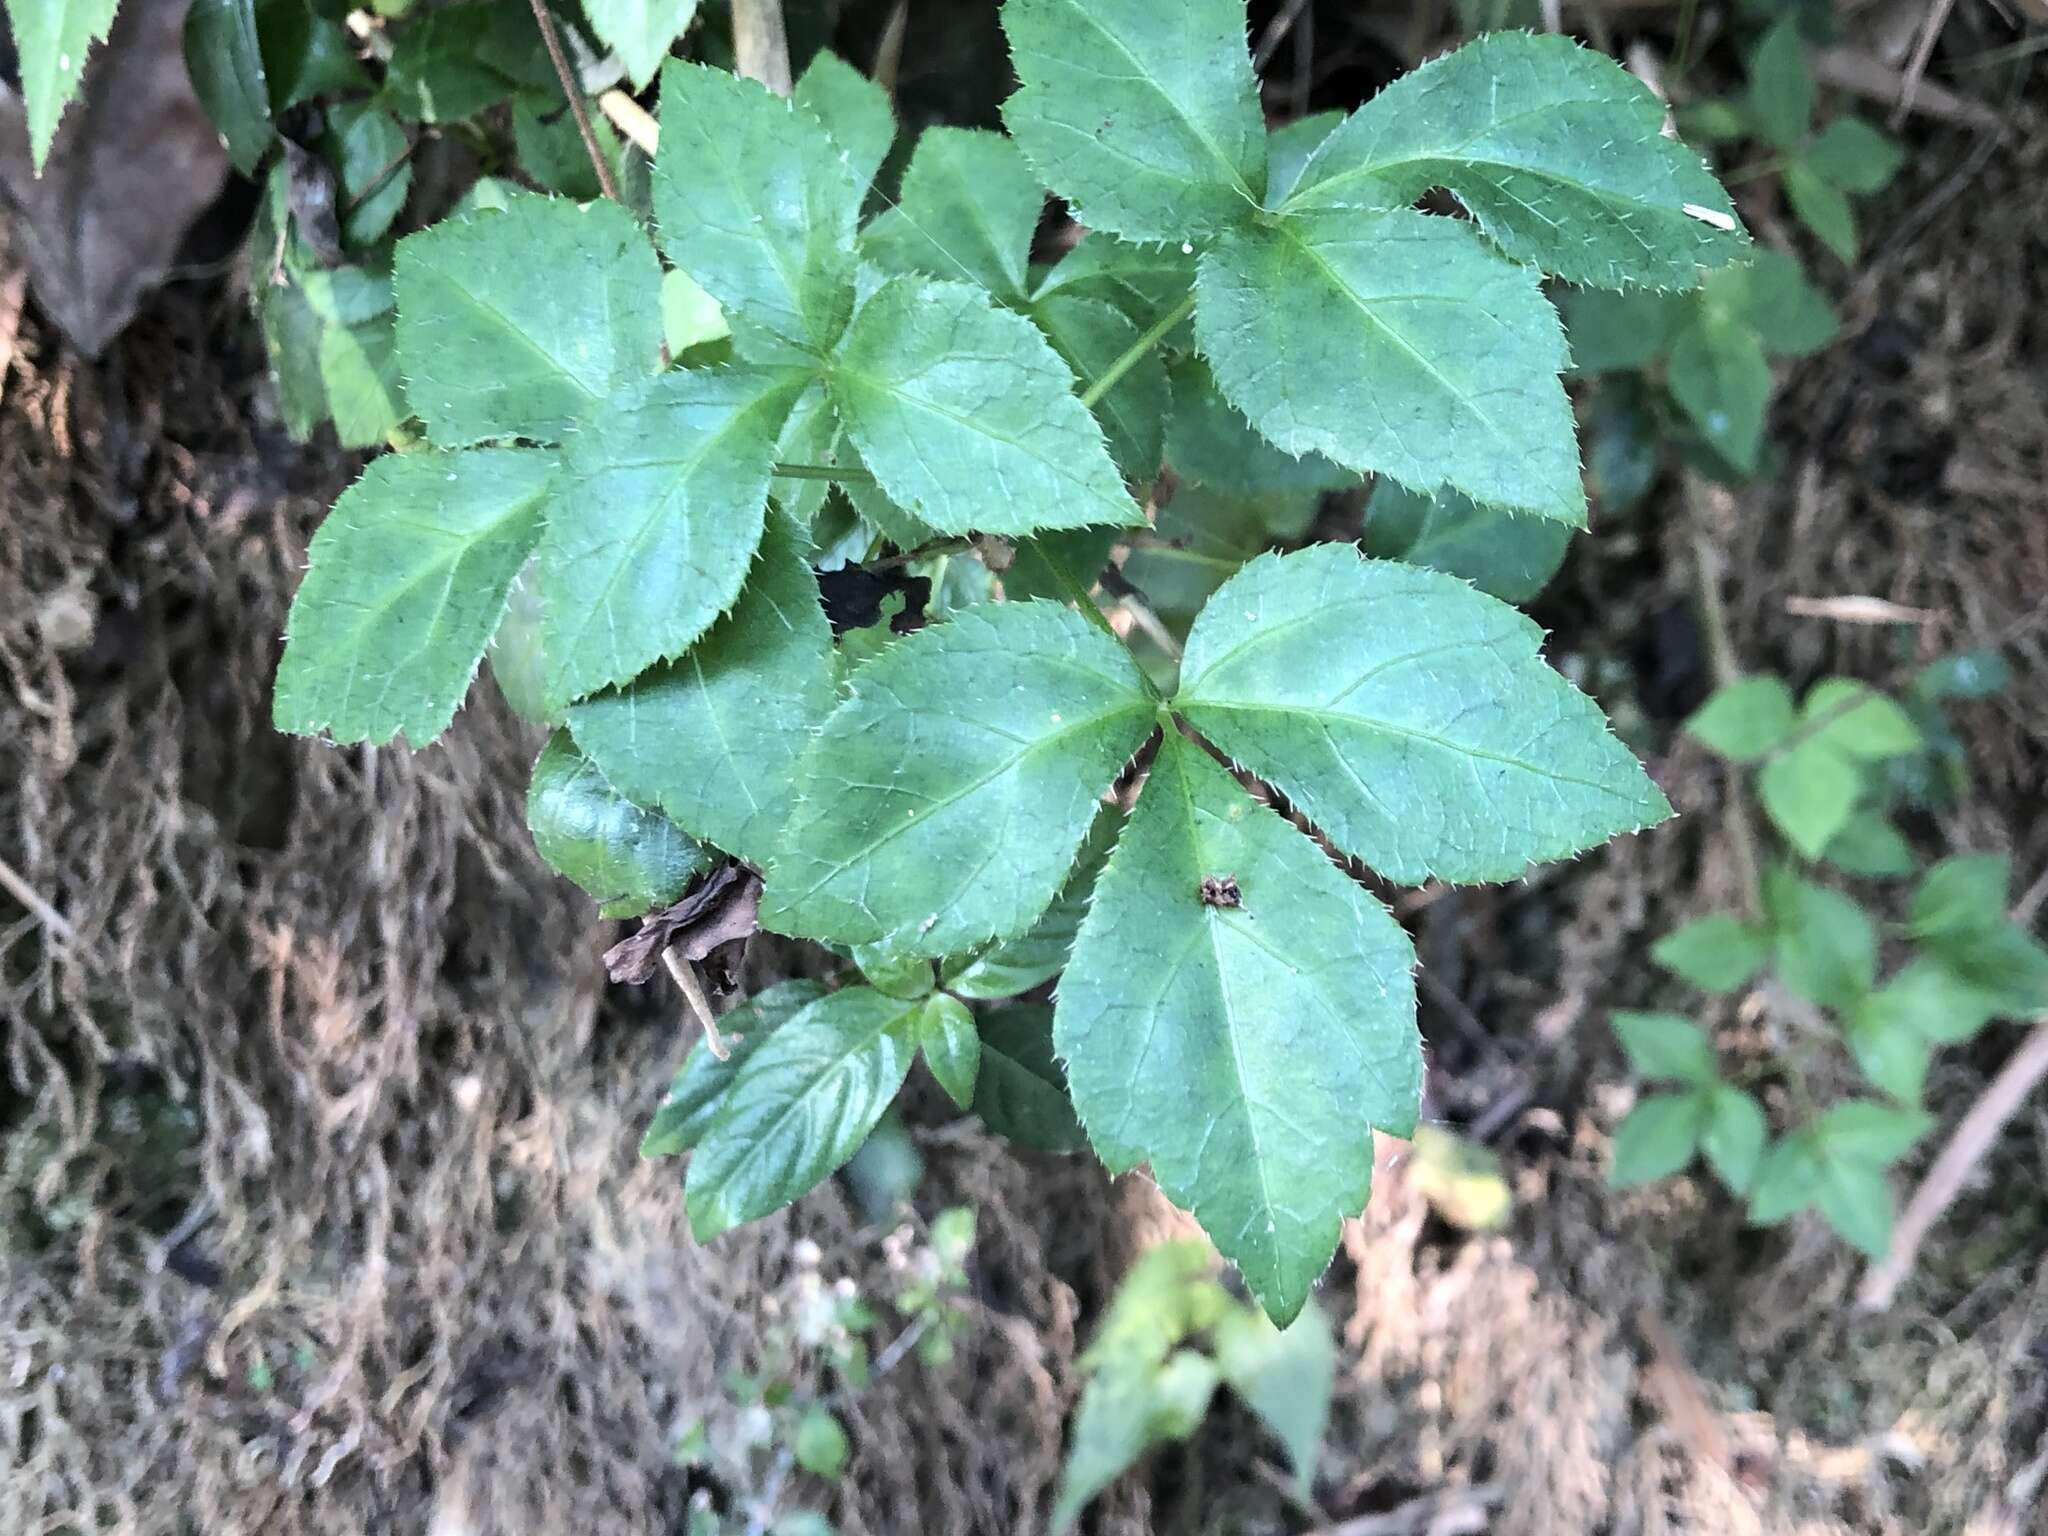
x,y
821,472
1137,351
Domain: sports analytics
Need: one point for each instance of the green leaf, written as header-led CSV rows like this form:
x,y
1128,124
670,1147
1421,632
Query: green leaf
x,y
409,576
1144,281
1622,332
944,801
1892,1054
1146,119
1823,208
1090,335
1928,1000
1017,965
1780,98
367,149
1855,156
1964,675
1810,793
690,317
968,418
1020,1092
515,652
1826,943
1169,1294
1658,1137
854,110
51,40
455,61
714,737
1869,845
1243,1046
654,522
1962,895
1734,1136
1505,556
1855,719
1869,1134
1667,1046
1744,719
640,32
1717,953
490,352
225,59
698,1092
1769,294
800,1107
1288,150
1125,1410
757,203
1857,1203
1199,540
967,210
1720,378
820,1446
629,859
951,1046
1787,1178
1411,718
1209,442
551,149
1285,1376
359,377
1558,152
1412,349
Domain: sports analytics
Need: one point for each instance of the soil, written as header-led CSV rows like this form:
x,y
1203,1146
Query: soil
x,y
319,1119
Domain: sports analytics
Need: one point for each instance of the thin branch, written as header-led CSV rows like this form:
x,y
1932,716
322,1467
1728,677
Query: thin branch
x,y
760,43
1721,657
685,976
573,89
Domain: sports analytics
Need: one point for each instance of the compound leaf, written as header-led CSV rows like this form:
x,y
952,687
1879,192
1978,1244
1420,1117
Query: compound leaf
x,y
51,38
1410,348
967,210
968,418
853,108
640,32
630,859
1145,117
944,801
1558,152
1240,1015
697,1095
1410,717
409,576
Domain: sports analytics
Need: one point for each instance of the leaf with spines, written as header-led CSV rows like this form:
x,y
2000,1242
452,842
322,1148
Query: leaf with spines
x,y
944,801
1209,442
1411,718
1144,281
697,1096
1504,555
51,39
1558,152
1020,1092
1145,117
800,1107
968,417
854,110
713,737
640,32
1411,349
1242,1038
654,521
1015,966
967,210
1091,335
630,859
523,322
756,202
409,576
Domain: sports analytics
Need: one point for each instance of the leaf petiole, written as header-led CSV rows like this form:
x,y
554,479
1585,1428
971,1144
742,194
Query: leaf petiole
x,y
1137,350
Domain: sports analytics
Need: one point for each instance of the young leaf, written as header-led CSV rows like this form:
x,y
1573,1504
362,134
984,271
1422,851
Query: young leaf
x,y
1090,335
488,351
1664,1045
1285,1376
698,1092
1962,895
408,578
1857,1203
1413,719
654,521
1826,943
799,1108
1823,208
1928,1000
1869,845
1240,1015
629,859
1658,1137
1558,152
1780,96
967,210
1020,1092
757,203
1810,793
943,802
820,1446
1867,1132
1717,953
1745,719
968,418
1855,719
1891,1053
1770,295
713,737
1412,349
1146,118
1734,1136
1855,156
1720,378
1787,1178
1125,1409
854,109
951,1046
52,38
1505,556
640,32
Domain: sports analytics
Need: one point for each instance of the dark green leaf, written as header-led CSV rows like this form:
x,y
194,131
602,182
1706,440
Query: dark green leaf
x,y
698,1092
1020,1092
1823,208
1090,335
1855,156
369,153
1017,965
1505,556
1209,442
1780,98
951,1046
1720,378
1288,150
1620,332
225,58
1869,845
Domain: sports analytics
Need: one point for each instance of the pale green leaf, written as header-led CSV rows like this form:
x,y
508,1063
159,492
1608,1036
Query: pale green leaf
x,y
640,32
631,860
698,1093
1244,1046
1810,793
51,40
1411,718
1285,1376
1720,378
1169,1294
1017,965
1787,1179
966,212
690,317
1780,99
1744,719
1209,442
854,109
1929,1000
757,203
896,972
654,522
1126,1409
359,375
1717,953
713,737
1824,209
800,1107
951,1046
409,576
1770,295
944,801
1867,1133
1962,895
1855,719
1666,1046
1410,348
1658,1137
1826,943
523,322
968,418
1090,335
820,1445
1145,117
1020,1092
1503,555
1558,152
1857,1203
1892,1054
516,652
1734,1136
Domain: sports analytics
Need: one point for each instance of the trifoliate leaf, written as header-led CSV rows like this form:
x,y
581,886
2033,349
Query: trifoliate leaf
x,y
1658,1137
944,800
698,1093
1410,717
1716,954
1855,156
1020,1092
1780,99
1209,442
1826,943
1667,1046
51,40
1720,378
757,203
654,522
489,349
1734,1136
1145,117
854,109
631,860
1744,719
713,737
1090,335
968,418
1240,1015
800,1107
1412,349
640,32
1558,152
1503,555
966,213
951,1046
408,578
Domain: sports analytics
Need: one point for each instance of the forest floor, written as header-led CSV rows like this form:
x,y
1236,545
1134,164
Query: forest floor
x,y
318,1124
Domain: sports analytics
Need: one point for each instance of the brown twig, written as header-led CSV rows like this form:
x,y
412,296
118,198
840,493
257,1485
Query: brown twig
x,y
685,976
760,43
1923,51
573,89
1721,657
